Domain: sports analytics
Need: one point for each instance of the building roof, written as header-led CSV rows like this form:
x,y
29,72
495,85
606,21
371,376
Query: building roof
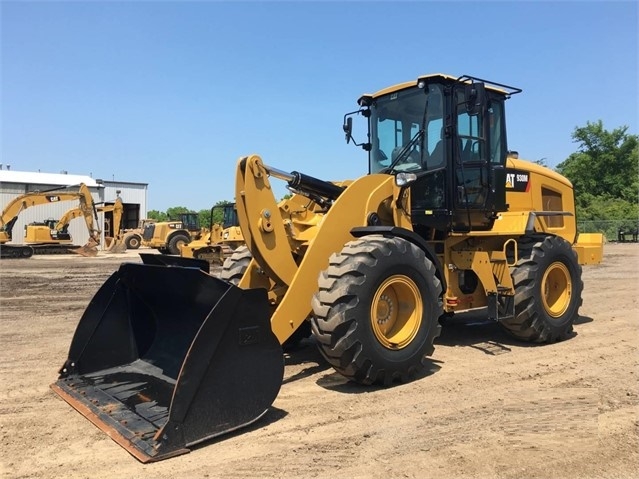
x,y
28,177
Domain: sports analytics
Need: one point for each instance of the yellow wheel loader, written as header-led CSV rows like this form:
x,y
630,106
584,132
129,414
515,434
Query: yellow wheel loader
x,y
447,221
132,237
168,237
49,237
222,239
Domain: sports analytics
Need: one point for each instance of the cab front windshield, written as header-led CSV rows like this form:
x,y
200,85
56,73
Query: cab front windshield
x,y
407,124
230,216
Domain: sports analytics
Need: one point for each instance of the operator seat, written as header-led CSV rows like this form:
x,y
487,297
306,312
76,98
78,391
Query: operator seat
x,y
412,157
436,158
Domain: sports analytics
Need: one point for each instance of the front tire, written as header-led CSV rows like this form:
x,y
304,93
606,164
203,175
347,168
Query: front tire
x,y
176,243
548,288
133,242
376,312
236,265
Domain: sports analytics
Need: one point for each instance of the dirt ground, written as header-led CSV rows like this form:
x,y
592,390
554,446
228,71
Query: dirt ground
x,y
492,407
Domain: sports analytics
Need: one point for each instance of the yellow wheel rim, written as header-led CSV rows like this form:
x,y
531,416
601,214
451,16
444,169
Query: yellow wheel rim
x,y
396,312
556,289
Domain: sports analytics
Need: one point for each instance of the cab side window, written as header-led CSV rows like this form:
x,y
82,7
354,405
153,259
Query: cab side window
x,y
470,134
470,156
497,136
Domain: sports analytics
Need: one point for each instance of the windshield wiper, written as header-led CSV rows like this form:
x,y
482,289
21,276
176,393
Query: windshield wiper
x,y
404,152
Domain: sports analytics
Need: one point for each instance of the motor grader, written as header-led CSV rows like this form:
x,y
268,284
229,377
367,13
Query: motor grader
x,y
447,221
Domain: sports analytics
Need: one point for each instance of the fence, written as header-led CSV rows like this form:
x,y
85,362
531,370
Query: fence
x,y
613,230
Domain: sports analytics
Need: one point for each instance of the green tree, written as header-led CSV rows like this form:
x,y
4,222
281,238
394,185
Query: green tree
x,y
606,163
604,172
218,213
205,217
157,215
175,211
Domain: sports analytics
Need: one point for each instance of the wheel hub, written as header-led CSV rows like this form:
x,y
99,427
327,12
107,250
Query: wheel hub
x,y
556,291
396,312
384,310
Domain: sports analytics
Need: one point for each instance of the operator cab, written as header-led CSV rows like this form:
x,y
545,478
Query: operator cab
x,y
445,137
230,216
190,221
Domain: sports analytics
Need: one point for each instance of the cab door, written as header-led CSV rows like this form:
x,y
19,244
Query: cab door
x,y
478,151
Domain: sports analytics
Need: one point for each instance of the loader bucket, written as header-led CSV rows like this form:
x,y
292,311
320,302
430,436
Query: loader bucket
x,y
167,260
165,357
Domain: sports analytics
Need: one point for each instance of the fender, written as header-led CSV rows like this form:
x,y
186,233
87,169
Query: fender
x,y
408,235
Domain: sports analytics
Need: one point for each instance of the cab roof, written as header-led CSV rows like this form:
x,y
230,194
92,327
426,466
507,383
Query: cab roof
x,y
495,87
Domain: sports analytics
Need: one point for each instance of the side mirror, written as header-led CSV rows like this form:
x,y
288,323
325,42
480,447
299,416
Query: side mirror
x,y
348,128
475,98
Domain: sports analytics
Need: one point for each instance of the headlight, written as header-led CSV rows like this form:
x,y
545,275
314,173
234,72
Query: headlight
x,y
403,179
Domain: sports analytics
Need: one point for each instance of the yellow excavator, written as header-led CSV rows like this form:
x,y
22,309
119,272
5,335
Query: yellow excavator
x,y
41,238
56,232
448,220
115,240
221,240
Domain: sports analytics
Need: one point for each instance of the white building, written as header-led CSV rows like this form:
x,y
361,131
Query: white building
x,y
16,183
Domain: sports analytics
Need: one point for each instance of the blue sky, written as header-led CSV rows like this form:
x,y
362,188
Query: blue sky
x,y
173,93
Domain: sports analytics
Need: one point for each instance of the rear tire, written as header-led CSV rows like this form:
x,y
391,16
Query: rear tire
x,y
133,242
377,309
176,242
548,289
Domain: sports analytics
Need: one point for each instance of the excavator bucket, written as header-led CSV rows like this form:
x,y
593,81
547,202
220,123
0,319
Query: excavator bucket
x,y
90,249
166,356
116,246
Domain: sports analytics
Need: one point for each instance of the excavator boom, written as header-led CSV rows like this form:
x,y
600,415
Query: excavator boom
x,y
117,244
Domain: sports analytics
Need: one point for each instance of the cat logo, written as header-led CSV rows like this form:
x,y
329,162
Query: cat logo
x,y
517,180
53,199
509,180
